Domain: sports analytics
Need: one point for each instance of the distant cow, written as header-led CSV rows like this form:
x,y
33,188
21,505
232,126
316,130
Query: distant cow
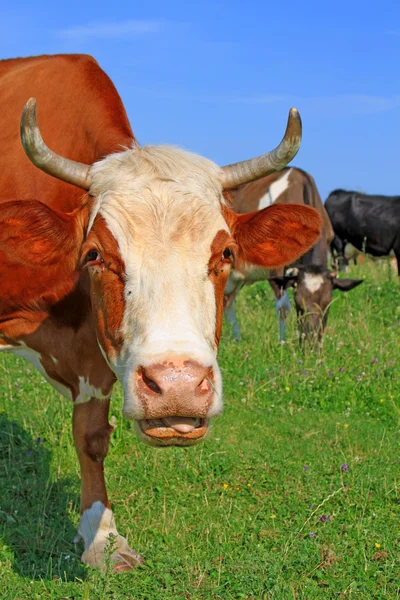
x,y
289,185
370,223
313,286
351,254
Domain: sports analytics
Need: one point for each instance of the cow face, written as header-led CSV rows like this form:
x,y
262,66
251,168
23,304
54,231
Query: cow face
x,y
160,241
159,250
313,286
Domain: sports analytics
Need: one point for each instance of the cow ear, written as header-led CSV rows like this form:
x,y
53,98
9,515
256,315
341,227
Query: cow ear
x,y
275,236
345,285
33,234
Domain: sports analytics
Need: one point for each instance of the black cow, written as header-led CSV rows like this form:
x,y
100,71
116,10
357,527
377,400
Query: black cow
x,y
370,223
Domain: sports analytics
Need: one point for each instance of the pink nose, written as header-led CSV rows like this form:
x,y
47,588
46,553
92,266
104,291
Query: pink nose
x,y
178,388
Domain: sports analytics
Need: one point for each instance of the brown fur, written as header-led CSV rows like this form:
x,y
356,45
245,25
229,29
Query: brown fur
x,y
219,270
107,284
91,432
276,235
246,198
67,91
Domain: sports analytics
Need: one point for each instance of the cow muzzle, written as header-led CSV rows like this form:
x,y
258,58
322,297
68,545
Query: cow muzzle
x,y
177,398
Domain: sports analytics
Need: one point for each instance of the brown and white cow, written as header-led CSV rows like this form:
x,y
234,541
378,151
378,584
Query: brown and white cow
x,y
290,185
313,291
115,267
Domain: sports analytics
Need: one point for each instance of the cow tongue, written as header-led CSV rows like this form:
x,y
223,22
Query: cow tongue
x,y
181,424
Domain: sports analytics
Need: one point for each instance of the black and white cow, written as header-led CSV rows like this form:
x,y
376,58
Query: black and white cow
x,y
370,223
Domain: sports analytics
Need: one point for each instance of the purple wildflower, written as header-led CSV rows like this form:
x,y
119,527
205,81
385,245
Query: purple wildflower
x,y
342,369
306,467
345,468
38,440
324,518
373,361
312,534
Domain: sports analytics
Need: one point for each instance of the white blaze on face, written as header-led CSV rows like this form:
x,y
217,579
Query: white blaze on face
x,y
313,282
275,190
163,207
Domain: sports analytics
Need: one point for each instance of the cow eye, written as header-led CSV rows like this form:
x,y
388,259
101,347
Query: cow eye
x,y
92,256
227,254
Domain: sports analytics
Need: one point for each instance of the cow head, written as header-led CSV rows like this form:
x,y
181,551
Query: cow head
x,y
159,243
313,287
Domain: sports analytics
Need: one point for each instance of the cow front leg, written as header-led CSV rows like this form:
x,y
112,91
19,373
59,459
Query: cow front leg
x,y
97,528
282,306
230,316
397,255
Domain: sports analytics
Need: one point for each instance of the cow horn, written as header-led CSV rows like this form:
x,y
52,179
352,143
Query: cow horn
x,y
45,159
255,168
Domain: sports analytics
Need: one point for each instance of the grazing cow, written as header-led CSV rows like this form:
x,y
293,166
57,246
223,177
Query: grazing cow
x,y
370,223
115,267
289,185
313,286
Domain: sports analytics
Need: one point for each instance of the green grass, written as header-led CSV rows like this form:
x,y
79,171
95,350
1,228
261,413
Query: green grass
x,y
264,509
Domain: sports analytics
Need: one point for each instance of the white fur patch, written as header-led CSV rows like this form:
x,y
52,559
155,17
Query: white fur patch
x,y
275,190
88,391
4,347
313,282
163,207
35,359
95,525
102,541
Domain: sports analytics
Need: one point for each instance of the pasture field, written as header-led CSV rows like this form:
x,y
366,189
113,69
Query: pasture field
x,y
295,494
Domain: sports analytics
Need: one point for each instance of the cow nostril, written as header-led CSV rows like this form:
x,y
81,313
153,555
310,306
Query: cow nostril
x,y
150,383
206,384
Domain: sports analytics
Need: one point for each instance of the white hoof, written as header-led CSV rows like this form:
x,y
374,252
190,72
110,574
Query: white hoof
x,y
113,551
103,544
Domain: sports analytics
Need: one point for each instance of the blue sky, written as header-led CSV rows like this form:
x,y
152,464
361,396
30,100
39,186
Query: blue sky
x,y
218,77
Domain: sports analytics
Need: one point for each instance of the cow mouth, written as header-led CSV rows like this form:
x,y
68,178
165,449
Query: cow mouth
x,y
173,431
